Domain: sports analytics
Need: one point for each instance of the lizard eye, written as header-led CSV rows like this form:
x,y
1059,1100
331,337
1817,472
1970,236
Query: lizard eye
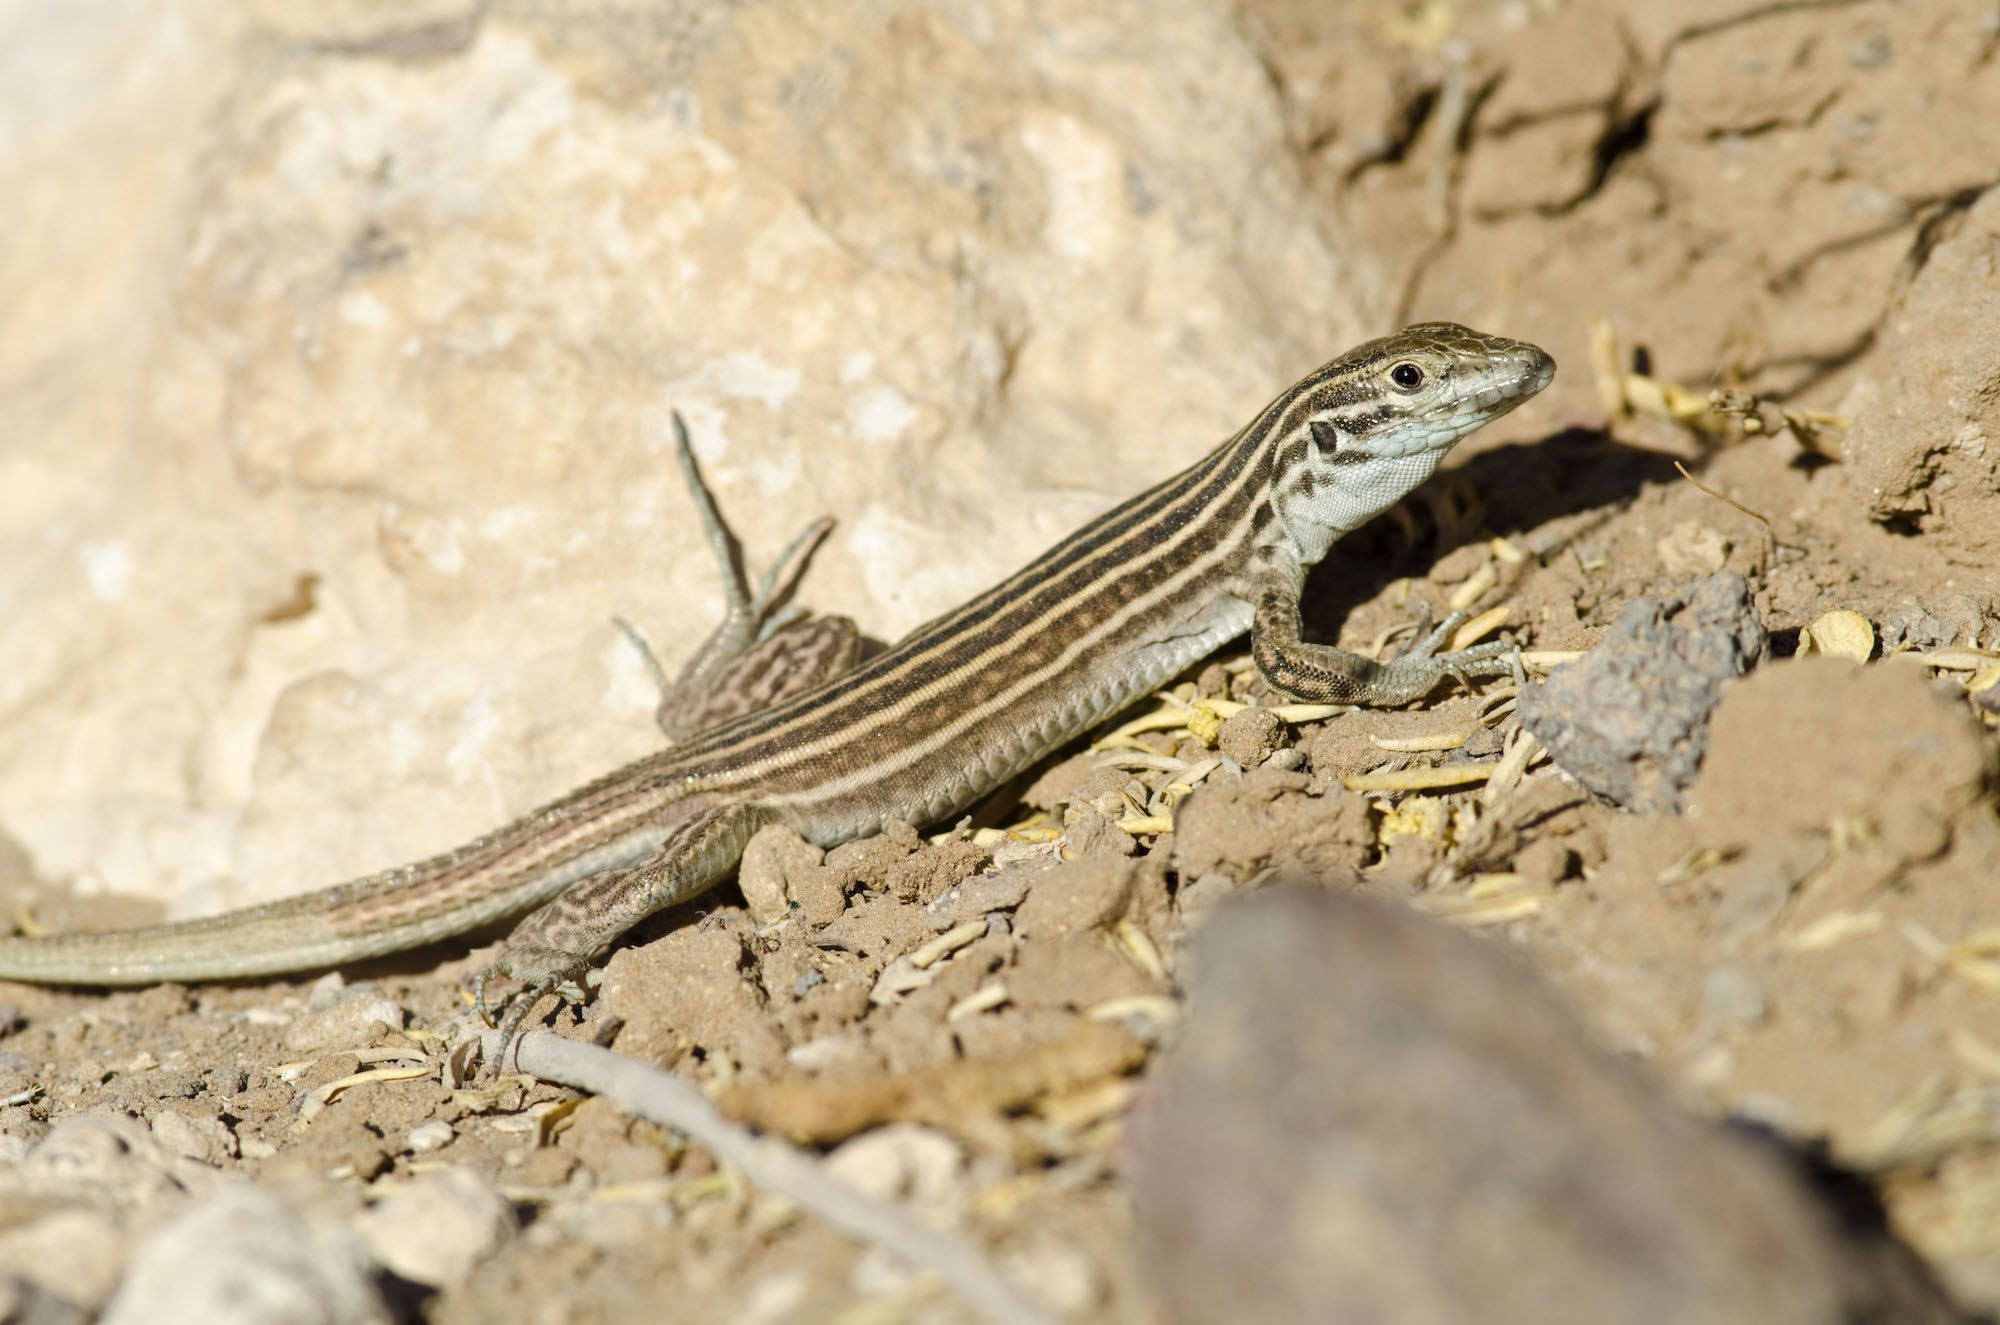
x,y
1407,376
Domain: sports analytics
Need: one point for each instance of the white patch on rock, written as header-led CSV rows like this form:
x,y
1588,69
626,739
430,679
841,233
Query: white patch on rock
x,y
880,414
747,375
359,308
466,757
506,520
904,566
1086,200
108,568
775,475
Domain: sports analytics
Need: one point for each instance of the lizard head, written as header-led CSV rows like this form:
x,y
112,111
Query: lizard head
x,y
1351,439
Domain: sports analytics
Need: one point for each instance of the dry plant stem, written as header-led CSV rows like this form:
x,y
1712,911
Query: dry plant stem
x,y
1770,535
770,1163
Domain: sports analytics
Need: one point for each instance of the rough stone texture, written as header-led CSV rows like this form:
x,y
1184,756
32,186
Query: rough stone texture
x,y
1925,440
1375,1118
1936,621
1628,720
339,343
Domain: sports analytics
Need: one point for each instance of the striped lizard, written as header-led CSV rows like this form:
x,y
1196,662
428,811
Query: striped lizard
x,y
777,724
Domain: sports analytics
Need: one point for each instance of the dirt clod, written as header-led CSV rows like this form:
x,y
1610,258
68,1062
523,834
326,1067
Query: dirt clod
x,y
1926,761
1250,736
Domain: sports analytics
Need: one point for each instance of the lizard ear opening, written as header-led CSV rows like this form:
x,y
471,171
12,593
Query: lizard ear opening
x,y
1325,436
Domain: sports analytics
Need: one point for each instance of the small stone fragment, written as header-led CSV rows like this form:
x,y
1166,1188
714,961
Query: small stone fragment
x,y
1935,621
439,1228
1629,719
1251,735
906,1163
1090,833
1733,997
1060,1275
426,1137
772,859
977,896
204,1139
1288,759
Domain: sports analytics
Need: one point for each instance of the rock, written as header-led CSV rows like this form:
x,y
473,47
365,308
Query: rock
x,y
346,420
979,895
1089,833
907,1164
1058,1274
1628,719
426,1137
1374,1117
438,1229
1936,621
241,1257
775,861
203,1138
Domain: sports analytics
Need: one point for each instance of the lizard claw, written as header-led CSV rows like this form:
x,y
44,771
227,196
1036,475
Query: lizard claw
x,y
540,971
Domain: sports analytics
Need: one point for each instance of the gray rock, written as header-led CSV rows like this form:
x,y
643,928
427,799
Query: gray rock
x,y
1374,1117
1629,719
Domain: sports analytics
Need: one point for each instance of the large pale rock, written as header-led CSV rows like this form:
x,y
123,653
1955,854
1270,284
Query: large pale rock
x,y
338,346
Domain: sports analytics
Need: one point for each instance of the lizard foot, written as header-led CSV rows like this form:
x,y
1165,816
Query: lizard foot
x,y
540,971
1415,671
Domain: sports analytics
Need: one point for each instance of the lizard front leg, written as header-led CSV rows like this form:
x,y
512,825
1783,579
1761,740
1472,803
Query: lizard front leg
x,y
1322,674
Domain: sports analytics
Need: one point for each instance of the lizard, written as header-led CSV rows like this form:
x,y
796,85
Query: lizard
x,y
774,721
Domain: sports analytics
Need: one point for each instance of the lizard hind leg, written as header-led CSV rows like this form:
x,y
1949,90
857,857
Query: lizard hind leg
x,y
551,950
766,649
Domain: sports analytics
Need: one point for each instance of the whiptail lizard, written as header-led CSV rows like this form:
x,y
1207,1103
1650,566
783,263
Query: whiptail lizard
x,y
778,733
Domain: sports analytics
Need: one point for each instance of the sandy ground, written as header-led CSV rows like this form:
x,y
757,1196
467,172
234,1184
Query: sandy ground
x,y
1792,202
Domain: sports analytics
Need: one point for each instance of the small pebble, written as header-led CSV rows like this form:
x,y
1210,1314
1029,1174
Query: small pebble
x,y
438,1229
426,1137
1251,735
